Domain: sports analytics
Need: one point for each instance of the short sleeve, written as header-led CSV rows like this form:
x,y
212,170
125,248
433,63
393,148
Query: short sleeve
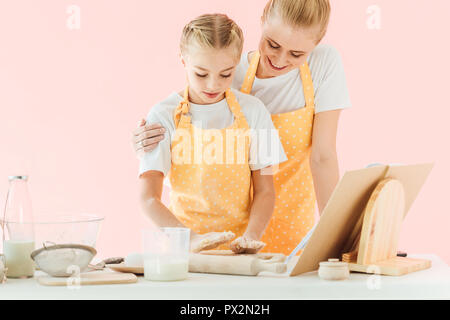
x,y
265,146
158,159
331,92
266,149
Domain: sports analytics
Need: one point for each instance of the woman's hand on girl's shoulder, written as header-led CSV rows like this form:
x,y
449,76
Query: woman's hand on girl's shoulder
x,y
145,138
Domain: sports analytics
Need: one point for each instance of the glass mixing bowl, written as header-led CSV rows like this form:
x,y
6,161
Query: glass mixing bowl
x,y
80,229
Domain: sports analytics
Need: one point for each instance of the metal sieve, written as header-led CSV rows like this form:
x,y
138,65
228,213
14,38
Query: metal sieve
x,y
63,260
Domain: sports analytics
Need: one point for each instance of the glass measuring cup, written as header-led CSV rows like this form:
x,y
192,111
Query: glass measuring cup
x,y
166,254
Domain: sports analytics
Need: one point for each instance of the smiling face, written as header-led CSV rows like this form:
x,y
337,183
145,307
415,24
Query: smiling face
x,y
209,72
283,47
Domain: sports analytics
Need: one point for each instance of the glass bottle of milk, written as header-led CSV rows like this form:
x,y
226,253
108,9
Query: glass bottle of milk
x,y
18,229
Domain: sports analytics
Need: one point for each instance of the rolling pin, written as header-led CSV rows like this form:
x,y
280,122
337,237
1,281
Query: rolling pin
x,y
246,265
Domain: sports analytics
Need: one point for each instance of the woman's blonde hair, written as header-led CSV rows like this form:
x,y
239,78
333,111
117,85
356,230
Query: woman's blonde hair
x,y
300,13
212,31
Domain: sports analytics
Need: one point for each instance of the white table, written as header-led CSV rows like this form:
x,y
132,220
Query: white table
x,y
433,283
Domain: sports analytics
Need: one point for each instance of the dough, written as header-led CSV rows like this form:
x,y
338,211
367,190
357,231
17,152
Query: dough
x,y
213,240
245,245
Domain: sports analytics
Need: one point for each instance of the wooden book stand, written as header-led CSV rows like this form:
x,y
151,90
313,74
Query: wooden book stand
x,y
361,221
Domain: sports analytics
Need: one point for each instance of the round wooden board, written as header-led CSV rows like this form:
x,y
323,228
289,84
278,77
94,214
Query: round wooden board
x,y
383,217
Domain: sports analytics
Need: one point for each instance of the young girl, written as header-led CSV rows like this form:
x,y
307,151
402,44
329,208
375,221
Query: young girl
x,y
302,84
212,159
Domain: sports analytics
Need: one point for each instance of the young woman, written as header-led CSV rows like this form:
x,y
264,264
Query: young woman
x,y
211,153
302,84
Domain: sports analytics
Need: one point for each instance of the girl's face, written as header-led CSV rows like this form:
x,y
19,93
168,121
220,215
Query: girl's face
x,y
209,72
284,48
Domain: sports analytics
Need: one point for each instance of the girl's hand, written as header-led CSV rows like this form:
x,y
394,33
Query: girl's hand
x,y
208,241
246,245
146,137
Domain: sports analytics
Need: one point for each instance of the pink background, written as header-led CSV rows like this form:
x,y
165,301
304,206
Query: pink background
x,y
69,100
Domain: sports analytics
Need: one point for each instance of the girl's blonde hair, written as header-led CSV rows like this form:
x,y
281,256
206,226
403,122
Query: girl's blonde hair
x,y
300,13
212,31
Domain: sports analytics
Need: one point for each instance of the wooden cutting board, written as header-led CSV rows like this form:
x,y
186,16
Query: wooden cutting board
x,y
224,262
91,278
397,266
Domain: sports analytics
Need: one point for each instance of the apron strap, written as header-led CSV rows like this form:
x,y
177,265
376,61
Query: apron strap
x,y
308,87
235,108
251,74
181,117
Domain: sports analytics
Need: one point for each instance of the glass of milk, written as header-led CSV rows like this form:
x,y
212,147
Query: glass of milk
x,y
166,254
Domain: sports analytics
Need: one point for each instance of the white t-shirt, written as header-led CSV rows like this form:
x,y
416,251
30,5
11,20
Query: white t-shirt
x,y
265,146
285,93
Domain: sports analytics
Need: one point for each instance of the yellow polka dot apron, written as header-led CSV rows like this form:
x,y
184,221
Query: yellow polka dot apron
x,y
210,174
295,198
